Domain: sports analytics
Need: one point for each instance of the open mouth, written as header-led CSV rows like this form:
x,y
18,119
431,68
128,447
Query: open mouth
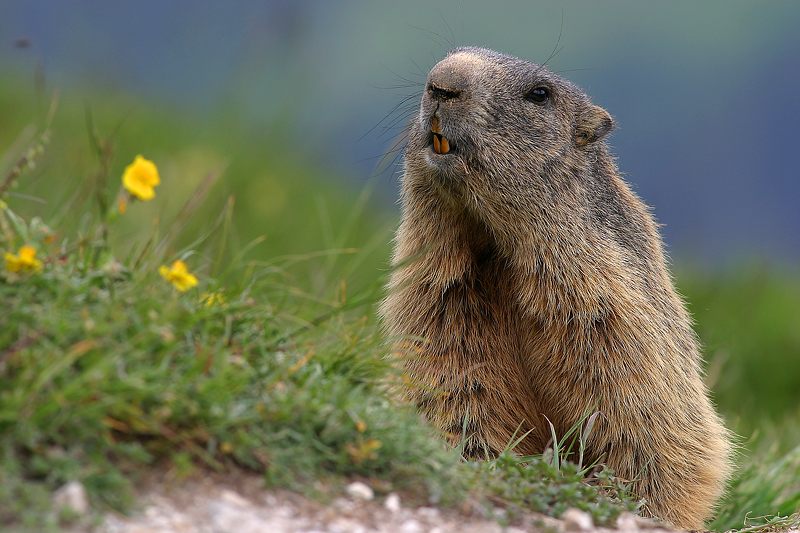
x,y
440,143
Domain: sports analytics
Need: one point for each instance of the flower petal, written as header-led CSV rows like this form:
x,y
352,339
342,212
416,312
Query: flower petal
x,y
140,178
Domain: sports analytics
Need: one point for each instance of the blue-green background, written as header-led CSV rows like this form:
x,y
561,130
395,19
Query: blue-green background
x,y
705,93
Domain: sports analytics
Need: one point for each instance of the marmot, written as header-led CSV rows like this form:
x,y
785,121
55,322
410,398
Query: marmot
x,y
530,285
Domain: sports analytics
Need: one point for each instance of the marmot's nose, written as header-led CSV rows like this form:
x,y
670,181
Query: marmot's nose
x,y
442,93
449,79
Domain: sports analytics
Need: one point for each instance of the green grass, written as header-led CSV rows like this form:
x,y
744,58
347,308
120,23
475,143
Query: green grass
x,y
106,368
749,321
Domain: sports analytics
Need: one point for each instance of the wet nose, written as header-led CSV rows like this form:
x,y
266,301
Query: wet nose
x,y
449,79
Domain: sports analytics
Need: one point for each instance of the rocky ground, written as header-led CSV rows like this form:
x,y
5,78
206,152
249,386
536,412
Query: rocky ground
x,y
213,505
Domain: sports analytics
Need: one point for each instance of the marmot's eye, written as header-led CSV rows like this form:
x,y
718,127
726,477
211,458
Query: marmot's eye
x,y
538,95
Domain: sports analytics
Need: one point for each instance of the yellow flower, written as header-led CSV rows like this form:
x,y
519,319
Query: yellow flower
x,y
140,178
178,275
364,450
212,299
24,261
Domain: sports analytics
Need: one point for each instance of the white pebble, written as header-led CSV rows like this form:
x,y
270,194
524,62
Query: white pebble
x,y
628,522
346,525
234,498
430,513
72,496
359,491
411,526
392,502
577,520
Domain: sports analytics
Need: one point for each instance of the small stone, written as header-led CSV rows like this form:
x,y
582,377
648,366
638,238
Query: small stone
x,y
498,513
392,502
628,522
227,515
72,496
411,526
360,491
577,520
233,498
344,505
429,513
346,525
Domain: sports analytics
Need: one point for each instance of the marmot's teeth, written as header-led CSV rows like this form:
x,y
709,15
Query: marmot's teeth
x,y
436,126
440,144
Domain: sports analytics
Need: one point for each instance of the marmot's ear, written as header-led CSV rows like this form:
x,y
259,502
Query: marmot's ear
x,y
593,124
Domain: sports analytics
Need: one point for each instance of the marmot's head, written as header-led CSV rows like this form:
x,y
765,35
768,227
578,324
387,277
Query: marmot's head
x,y
492,123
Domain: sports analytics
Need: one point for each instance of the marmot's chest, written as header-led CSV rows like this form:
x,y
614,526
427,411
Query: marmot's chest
x,y
500,364
470,379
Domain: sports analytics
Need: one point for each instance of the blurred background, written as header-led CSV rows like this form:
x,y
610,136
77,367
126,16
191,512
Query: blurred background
x,y
298,107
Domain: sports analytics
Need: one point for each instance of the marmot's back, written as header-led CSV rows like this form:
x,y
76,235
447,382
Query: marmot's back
x,y
531,282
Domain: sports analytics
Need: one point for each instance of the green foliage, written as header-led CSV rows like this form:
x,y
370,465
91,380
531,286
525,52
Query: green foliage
x,y
750,324
105,368
749,321
549,487
763,492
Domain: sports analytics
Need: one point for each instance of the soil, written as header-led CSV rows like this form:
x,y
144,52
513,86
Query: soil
x,y
242,505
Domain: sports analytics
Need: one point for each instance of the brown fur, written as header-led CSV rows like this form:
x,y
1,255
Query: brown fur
x,y
530,281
